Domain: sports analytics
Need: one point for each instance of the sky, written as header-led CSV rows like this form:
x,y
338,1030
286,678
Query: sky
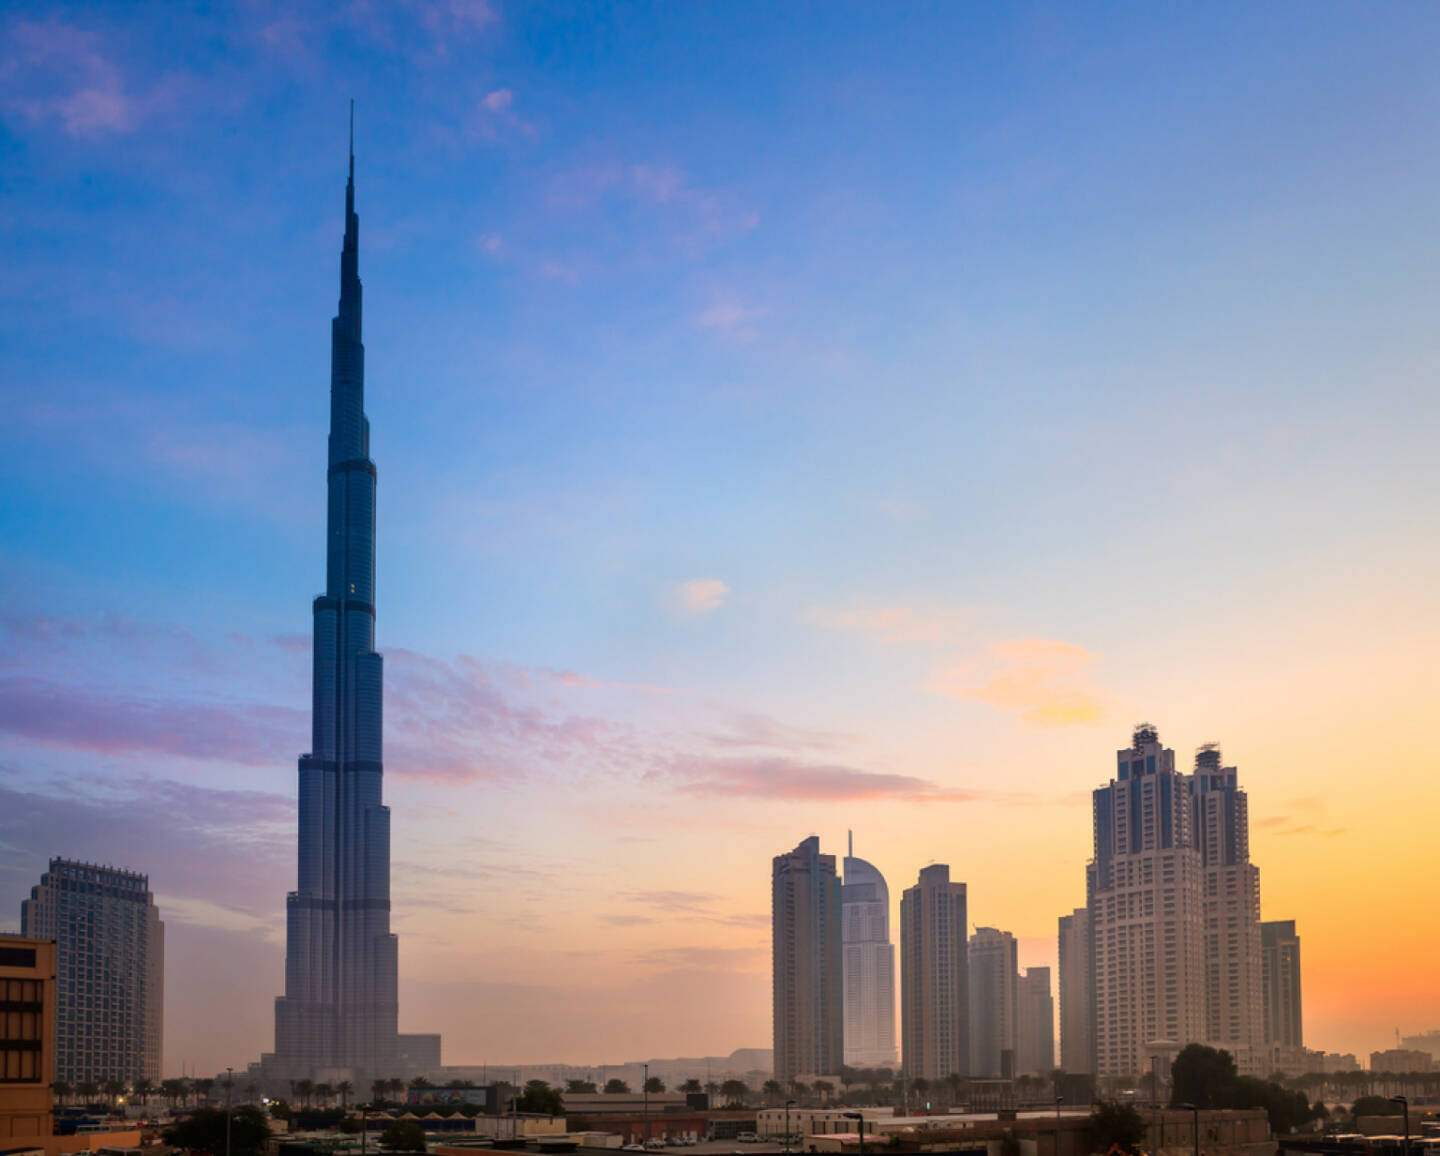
x,y
790,419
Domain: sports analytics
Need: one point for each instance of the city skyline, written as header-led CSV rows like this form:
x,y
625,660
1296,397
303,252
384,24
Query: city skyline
x,y
764,442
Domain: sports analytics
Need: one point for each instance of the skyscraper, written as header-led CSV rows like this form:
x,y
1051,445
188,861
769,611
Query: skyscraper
x,y
1234,1006
934,976
1280,972
109,970
994,974
1034,1023
869,965
807,968
1077,994
339,1011
1145,890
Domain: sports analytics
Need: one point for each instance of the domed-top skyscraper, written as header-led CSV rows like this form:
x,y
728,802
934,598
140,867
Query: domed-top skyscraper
x,y
869,965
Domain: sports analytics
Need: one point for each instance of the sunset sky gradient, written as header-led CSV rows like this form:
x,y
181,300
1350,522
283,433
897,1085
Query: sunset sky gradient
x,y
790,418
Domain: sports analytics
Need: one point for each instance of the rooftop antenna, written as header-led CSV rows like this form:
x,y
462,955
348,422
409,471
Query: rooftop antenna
x,y
851,852
352,138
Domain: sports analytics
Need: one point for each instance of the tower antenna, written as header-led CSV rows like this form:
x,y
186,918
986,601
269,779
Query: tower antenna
x,y
352,138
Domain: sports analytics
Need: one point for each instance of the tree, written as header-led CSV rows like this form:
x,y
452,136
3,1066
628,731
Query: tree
x,y
1372,1106
1203,1076
62,1090
1114,1125
421,1082
114,1089
87,1090
204,1131
773,1090
350,1125
378,1088
580,1087
304,1089
734,1091
279,1109
616,1087
143,1090
202,1087
654,1085
403,1136
540,1098
957,1084
344,1087
397,1087
325,1093
691,1086
824,1089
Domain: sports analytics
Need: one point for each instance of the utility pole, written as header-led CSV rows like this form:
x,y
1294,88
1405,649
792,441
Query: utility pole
x,y
229,1083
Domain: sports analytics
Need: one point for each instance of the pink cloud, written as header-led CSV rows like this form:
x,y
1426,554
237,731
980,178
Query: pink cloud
x,y
1044,680
782,778
55,73
699,596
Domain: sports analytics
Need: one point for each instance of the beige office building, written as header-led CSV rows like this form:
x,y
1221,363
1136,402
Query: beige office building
x,y
1034,1023
1077,994
934,977
808,991
994,976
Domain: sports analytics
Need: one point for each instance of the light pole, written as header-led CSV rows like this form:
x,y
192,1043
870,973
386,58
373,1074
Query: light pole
x,y
1405,1107
229,1082
1059,1099
859,1119
788,1105
364,1129
645,1094
1196,1112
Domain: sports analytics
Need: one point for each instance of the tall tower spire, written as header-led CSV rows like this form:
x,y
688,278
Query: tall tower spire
x,y
339,1008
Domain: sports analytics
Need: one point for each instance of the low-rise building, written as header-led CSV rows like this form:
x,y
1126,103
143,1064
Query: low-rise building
x,y
1401,1060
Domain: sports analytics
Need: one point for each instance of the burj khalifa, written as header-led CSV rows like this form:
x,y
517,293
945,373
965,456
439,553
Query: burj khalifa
x,y
339,1010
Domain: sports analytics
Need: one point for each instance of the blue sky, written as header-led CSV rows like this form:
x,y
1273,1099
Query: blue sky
x,y
923,391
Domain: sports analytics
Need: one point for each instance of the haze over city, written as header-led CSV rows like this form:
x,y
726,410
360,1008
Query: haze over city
x,y
789,419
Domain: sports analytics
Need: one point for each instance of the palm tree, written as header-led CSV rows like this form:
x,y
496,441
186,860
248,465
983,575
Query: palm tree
x,y
654,1085
691,1086
202,1087
397,1087
114,1089
88,1090
62,1090
305,1089
173,1090
143,1090
344,1087
772,1090
956,1082
378,1088
823,1089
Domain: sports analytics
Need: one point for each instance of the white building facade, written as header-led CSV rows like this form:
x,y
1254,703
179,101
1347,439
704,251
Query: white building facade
x,y
869,966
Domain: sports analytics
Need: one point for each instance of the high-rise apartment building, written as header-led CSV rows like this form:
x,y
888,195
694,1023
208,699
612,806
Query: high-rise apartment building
x,y
1145,888
869,965
994,976
1077,994
934,977
109,970
1280,976
1034,1023
807,966
338,1018
1234,1005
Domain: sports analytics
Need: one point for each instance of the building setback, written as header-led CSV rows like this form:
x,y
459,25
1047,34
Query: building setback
x,y
1280,977
1034,1023
109,970
869,966
1234,1004
809,1014
1077,994
994,976
934,977
1145,889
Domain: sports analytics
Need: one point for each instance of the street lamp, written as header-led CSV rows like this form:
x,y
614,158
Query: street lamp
x,y
788,1105
859,1119
1405,1107
229,1082
1196,1111
364,1130
1059,1099
645,1093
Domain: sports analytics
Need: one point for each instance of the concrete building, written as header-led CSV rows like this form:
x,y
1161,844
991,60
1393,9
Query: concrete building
x,y
1077,994
27,1036
1280,980
869,965
934,977
1234,1003
1034,1023
1145,891
1399,1060
338,1018
994,975
109,968
807,969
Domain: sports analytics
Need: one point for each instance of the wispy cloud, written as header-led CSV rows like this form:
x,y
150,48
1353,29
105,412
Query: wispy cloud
x,y
893,625
784,778
699,596
55,73
1044,680
731,319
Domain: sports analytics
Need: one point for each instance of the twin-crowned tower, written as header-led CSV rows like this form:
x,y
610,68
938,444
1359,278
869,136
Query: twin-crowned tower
x,y
339,1011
